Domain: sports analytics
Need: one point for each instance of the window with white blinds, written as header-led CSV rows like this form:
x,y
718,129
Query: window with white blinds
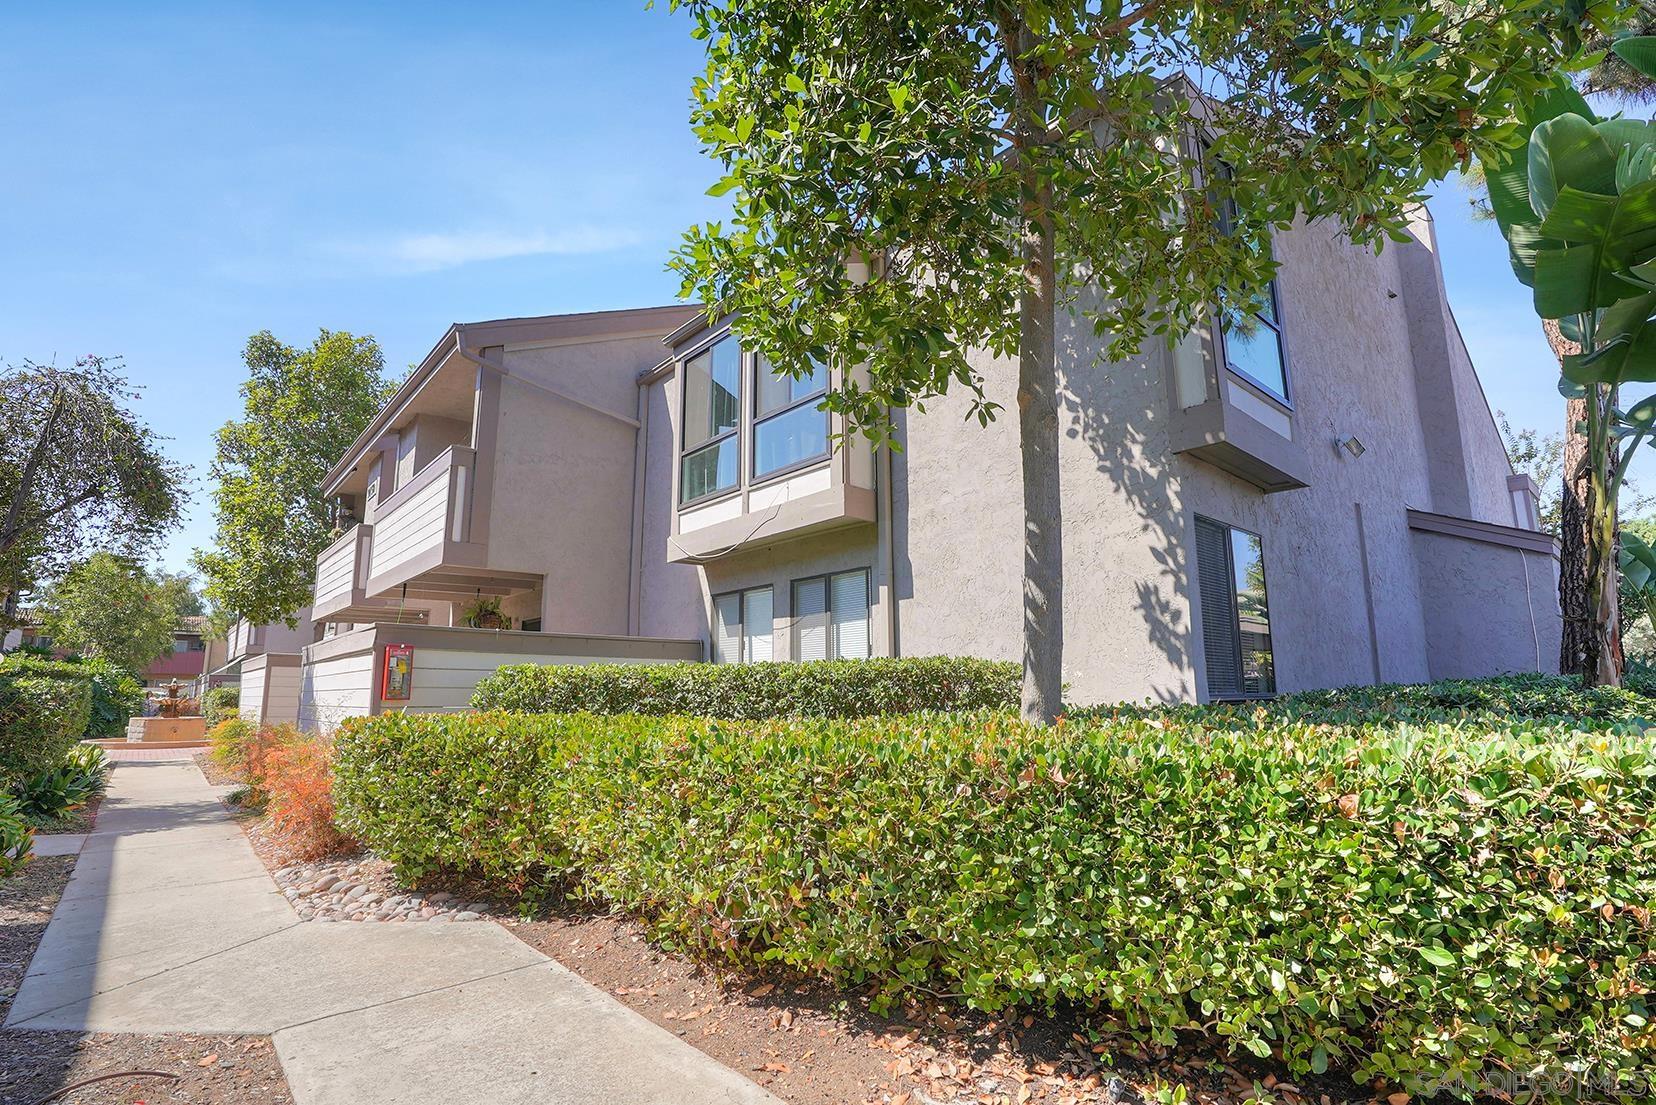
x,y
830,616
742,626
1236,617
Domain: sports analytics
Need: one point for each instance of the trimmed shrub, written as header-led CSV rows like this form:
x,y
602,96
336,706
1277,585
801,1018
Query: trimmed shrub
x,y
220,704
1494,702
44,710
827,688
298,778
1410,902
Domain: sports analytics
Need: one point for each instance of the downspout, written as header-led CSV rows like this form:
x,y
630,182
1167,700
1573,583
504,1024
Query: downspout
x,y
893,640
641,458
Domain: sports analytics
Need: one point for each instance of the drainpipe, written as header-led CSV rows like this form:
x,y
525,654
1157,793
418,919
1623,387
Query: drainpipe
x,y
884,505
641,459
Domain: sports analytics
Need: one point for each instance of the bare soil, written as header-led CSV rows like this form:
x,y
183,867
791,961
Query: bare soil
x,y
813,1045
77,820
35,1066
215,774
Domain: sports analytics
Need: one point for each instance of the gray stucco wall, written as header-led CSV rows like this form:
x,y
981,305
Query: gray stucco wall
x,y
1343,610
672,602
1488,609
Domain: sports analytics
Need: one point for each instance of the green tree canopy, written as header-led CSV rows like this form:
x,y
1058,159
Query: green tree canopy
x,y
302,409
991,162
108,606
77,469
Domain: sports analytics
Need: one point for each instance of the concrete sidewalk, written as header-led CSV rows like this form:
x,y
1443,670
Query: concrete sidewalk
x,y
171,924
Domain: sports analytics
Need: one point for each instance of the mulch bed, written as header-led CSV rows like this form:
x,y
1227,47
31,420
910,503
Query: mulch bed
x,y
813,1045
209,1070
215,774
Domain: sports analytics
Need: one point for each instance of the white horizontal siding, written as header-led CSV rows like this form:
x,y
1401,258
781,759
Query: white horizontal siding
x,y
251,701
332,690
412,528
281,704
335,570
445,678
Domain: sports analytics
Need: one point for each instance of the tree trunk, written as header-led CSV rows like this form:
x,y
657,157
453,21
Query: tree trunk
x,y
1577,650
1043,590
1603,571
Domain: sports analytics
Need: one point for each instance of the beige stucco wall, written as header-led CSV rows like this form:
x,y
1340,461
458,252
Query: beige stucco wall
x,y
1485,607
563,480
671,601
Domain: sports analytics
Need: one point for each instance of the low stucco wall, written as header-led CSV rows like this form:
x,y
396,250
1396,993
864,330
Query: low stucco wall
x,y
1488,608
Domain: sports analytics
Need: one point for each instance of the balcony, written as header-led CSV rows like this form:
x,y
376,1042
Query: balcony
x,y
419,546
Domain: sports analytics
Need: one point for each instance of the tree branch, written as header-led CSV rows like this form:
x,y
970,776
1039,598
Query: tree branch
x,y
9,533
1112,28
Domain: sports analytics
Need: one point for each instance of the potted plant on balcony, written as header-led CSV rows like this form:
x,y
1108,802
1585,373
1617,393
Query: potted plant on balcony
x,y
486,614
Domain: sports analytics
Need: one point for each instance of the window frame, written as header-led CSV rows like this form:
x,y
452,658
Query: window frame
x,y
1234,613
755,478
831,648
1227,222
684,452
740,594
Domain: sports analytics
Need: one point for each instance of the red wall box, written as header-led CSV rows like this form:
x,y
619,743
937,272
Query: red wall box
x,y
397,679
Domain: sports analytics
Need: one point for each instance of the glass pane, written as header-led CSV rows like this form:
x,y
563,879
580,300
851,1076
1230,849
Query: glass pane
x,y
1254,349
850,616
1253,614
789,438
727,629
756,625
712,390
779,390
708,470
810,619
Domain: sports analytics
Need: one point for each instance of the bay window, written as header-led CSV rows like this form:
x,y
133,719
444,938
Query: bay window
x,y
789,429
712,418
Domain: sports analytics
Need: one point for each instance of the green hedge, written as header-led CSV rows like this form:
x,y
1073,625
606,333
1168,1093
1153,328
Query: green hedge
x,y
44,709
220,704
1408,902
1494,702
829,688
116,696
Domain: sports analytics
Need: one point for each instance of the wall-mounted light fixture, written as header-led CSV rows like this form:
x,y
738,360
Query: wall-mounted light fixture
x,y
1350,445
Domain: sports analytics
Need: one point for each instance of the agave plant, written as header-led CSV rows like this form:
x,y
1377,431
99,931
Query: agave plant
x,y
1575,198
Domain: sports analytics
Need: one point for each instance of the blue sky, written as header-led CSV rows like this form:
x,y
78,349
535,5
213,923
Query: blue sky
x,y
179,176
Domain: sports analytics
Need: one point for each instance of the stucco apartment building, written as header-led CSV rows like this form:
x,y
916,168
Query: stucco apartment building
x,y
1316,497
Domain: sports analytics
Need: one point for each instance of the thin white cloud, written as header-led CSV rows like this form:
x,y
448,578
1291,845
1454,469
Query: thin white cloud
x,y
435,251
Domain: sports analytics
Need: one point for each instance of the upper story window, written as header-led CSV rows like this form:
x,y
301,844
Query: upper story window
x,y
1236,616
788,428
1252,332
712,415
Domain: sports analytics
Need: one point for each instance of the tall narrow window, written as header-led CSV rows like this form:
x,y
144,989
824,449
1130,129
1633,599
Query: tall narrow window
x,y
788,428
742,626
1236,615
712,416
830,616
1252,330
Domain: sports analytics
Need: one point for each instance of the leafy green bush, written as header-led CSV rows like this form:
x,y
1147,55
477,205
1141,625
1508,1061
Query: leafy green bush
x,y
116,696
1411,902
44,709
220,704
16,837
1497,702
228,740
45,795
827,688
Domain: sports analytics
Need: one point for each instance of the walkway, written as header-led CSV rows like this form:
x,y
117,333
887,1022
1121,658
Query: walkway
x,y
171,924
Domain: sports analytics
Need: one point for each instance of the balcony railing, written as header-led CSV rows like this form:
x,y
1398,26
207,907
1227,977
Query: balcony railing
x,y
422,519
340,571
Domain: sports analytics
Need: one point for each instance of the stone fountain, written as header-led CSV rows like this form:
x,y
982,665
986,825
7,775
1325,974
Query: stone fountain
x,y
170,725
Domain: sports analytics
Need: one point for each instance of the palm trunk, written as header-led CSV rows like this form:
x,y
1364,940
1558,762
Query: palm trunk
x,y
1603,571
1043,591
1577,646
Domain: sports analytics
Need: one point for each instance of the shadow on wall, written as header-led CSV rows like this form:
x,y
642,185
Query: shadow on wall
x,y
1127,560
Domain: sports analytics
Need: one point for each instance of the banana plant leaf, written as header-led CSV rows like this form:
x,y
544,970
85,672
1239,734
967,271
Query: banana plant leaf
x,y
1602,236
1508,179
1626,339
1639,52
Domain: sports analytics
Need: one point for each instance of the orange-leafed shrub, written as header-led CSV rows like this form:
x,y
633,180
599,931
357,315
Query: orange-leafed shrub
x,y
258,747
298,783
